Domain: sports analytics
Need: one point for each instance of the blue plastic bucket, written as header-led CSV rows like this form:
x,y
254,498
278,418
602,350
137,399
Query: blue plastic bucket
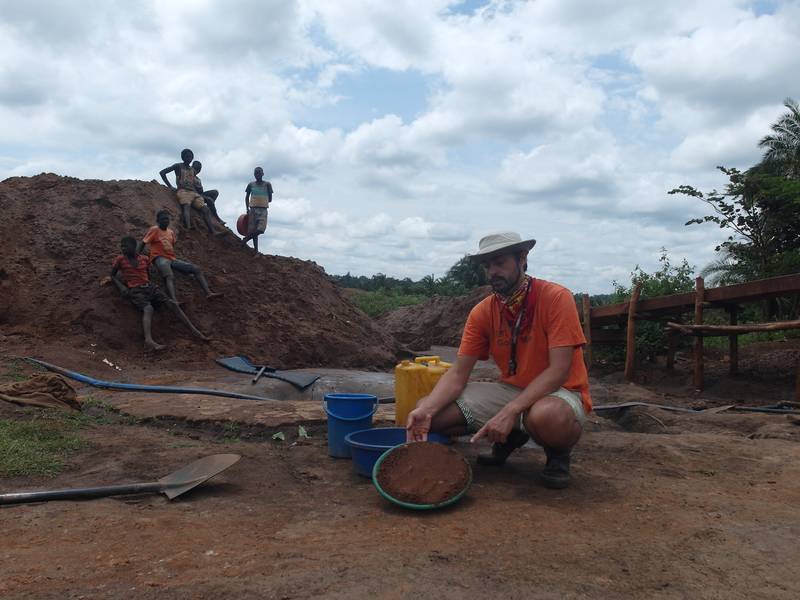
x,y
347,413
368,445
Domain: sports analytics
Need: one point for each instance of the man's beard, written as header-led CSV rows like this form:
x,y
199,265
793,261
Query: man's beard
x,y
504,286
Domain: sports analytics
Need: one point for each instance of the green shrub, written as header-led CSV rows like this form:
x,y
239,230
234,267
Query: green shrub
x,y
667,279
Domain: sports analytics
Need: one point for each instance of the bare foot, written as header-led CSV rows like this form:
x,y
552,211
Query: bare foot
x,y
155,347
202,337
214,295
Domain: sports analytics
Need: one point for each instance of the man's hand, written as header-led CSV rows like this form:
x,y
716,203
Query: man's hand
x,y
418,424
497,428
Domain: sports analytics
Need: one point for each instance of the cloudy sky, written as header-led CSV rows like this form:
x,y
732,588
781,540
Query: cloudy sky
x,y
397,133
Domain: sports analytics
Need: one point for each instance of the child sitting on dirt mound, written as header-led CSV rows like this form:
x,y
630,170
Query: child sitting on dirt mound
x,y
185,179
161,239
129,272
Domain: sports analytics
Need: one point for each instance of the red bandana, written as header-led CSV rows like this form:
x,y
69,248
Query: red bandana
x,y
524,298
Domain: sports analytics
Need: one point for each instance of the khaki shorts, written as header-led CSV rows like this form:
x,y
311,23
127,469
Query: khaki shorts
x,y
190,197
256,220
481,401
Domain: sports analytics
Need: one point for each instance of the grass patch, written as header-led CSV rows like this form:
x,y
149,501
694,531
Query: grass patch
x,y
376,303
36,447
39,441
13,370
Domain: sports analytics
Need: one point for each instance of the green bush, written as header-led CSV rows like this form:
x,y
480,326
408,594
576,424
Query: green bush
x,y
651,339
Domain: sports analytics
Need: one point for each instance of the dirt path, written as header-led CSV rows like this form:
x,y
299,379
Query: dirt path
x,y
689,515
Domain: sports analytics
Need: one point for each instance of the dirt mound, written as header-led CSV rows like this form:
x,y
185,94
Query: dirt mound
x,y
435,322
60,235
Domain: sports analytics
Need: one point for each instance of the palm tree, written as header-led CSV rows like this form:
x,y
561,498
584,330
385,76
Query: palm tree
x,y
727,270
783,146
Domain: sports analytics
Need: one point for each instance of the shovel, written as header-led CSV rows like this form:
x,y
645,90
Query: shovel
x,y
172,485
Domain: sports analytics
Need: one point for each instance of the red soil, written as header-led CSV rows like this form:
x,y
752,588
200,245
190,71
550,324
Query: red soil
x,y
435,322
423,473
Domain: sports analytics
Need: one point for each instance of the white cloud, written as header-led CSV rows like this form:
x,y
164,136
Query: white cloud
x,y
290,211
374,226
581,168
419,228
394,35
734,144
722,65
564,119
388,143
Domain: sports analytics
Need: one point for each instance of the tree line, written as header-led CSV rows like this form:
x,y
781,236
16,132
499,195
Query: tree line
x,y
459,279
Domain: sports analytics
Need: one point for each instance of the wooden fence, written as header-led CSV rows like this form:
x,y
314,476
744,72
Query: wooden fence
x,y
616,323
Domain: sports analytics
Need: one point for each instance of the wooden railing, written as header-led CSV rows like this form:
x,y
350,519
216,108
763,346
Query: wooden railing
x,y
616,323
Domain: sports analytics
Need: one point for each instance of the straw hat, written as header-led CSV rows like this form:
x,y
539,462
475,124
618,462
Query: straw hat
x,y
500,243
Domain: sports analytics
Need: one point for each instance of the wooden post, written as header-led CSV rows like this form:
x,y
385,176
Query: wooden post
x,y
733,342
797,383
672,346
698,339
630,345
587,330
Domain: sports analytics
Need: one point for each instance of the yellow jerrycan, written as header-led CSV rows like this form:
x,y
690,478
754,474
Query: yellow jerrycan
x,y
412,381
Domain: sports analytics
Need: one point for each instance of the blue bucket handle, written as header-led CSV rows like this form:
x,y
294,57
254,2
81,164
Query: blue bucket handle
x,y
358,418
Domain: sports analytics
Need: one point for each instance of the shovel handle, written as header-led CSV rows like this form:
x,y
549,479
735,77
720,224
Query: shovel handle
x,y
259,374
80,493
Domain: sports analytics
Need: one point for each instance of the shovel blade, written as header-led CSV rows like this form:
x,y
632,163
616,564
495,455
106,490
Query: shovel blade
x,y
193,474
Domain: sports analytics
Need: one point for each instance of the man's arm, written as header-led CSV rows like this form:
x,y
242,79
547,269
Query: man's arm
x,y
164,172
269,193
123,289
445,392
553,377
247,198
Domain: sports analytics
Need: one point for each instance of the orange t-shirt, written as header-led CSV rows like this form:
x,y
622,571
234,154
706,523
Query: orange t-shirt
x,y
555,324
134,275
161,241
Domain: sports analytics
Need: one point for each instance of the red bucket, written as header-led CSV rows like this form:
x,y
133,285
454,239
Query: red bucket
x,y
241,225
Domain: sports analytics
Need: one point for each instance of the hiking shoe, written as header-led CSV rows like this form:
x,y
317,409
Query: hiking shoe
x,y
555,474
502,450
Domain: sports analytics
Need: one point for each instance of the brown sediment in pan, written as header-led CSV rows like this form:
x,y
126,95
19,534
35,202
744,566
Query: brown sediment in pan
x,y
423,473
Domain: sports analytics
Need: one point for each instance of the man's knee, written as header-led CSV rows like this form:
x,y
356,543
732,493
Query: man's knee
x,y
450,417
148,310
552,421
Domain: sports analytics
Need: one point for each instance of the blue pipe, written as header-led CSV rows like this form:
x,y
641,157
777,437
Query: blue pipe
x,y
135,387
